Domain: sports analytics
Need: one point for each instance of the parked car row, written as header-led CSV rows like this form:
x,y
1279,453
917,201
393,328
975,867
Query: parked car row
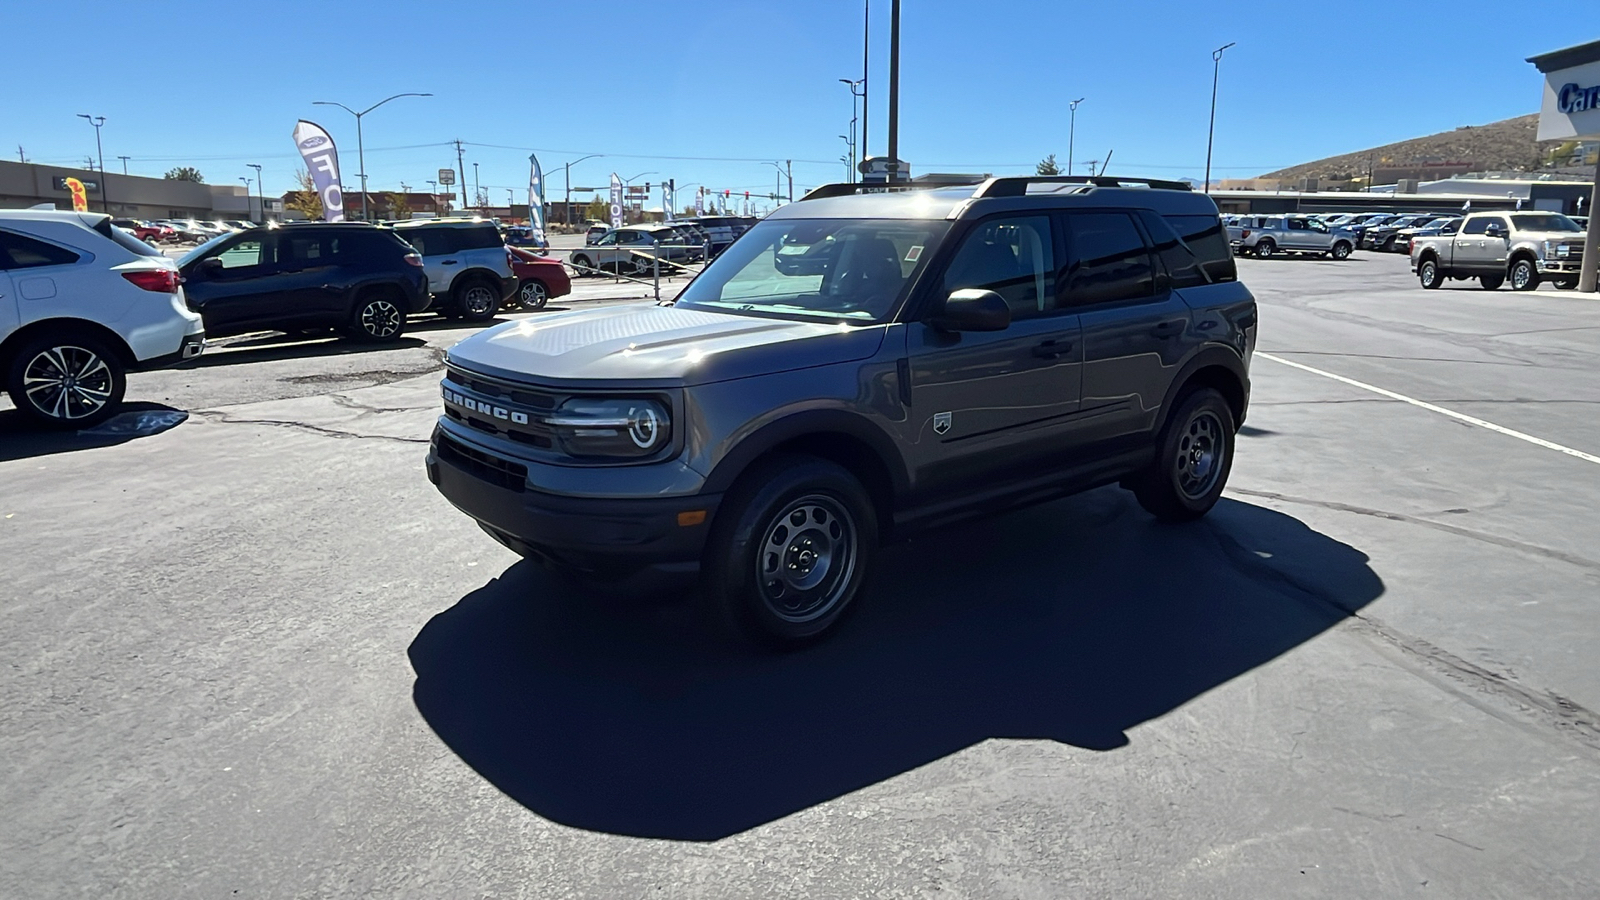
x,y
76,316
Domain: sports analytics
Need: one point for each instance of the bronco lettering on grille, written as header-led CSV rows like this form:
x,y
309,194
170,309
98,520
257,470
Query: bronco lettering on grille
x,y
488,409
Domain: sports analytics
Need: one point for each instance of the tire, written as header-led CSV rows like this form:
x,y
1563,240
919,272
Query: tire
x,y
643,268
476,300
378,318
66,380
532,294
1388,245
1566,284
1429,273
1264,248
1524,276
1341,250
582,264
790,550
1193,457
1491,282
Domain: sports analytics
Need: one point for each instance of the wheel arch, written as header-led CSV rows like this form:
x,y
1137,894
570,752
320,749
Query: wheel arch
x,y
1213,367
28,332
837,436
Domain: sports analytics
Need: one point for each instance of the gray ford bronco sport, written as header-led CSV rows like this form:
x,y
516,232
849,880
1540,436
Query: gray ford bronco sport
x,y
857,366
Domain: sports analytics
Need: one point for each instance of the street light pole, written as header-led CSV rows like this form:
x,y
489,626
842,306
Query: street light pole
x,y
98,121
246,179
361,150
477,189
568,172
866,32
1072,130
433,194
854,87
894,89
260,192
1216,69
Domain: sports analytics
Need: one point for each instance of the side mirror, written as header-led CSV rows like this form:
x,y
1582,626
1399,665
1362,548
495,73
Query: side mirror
x,y
210,267
1494,230
973,309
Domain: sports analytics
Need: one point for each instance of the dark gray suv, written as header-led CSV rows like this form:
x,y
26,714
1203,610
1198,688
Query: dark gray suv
x,y
854,368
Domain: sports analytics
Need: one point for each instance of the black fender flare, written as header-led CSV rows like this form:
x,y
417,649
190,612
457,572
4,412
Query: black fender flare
x,y
1213,356
815,424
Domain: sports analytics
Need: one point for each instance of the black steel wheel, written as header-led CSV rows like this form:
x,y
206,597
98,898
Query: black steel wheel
x,y
1193,458
477,301
790,550
66,381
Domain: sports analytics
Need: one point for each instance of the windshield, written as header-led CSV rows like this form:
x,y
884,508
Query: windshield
x,y
847,270
203,249
1544,222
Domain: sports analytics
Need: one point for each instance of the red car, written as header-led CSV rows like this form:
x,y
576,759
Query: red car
x,y
538,278
148,232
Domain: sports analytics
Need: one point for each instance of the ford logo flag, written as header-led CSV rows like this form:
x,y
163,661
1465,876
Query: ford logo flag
x,y
322,161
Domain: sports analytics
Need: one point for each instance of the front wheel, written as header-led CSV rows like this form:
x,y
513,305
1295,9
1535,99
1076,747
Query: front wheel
x,y
1341,250
66,381
1193,457
790,550
533,294
1567,284
582,264
1524,277
377,319
1430,274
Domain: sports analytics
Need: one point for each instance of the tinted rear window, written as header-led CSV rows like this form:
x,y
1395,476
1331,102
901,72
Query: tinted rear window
x,y
125,240
1209,242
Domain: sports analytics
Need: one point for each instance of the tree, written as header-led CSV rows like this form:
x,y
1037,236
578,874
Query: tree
x,y
398,207
304,199
185,173
1047,166
598,209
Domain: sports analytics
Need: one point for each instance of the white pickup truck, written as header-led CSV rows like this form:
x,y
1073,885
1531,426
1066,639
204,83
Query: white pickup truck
x,y
1262,236
1523,248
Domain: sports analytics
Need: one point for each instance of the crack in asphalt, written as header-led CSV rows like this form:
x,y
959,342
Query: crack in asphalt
x,y
1465,679
222,418
352,403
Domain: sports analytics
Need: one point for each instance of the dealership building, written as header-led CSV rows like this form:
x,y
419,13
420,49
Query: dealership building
x,y
1570,111
131,196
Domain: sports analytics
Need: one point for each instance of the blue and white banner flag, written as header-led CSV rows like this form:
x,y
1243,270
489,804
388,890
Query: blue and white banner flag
x,y
668,197
616,200
322,161
536,199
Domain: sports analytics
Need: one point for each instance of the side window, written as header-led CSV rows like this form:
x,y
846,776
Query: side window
x,y
1476,226
242,255
1451,227
1318,227
1179,259
1505,228
1108,260
1207,239
608,240
1012,257
1297,224
300,250
21,252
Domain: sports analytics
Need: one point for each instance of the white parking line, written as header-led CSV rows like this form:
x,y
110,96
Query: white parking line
x,y
1462,417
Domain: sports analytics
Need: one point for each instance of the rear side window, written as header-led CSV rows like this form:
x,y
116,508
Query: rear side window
x,y
1208,241
1108,260
125,240
485,237
22,252
433,241
1181,264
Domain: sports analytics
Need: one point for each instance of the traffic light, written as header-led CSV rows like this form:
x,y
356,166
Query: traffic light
x,y
725,193
747,195
647,187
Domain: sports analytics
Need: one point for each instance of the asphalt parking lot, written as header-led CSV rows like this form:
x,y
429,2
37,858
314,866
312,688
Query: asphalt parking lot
x,y
257,654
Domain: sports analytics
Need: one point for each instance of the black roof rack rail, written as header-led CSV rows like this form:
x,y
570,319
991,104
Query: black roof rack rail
x,y
847,188
1017,186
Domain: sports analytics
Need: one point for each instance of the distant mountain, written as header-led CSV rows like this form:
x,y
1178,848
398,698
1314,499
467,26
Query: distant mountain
x,y
1504,146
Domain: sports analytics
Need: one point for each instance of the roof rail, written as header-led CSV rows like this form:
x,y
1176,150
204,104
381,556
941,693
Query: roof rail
x,y
847,188
1017,186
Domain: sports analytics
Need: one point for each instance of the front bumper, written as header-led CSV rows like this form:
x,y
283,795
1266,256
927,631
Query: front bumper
x,y
609,537
1572,265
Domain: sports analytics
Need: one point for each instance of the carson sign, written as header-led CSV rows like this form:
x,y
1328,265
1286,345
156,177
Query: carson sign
x,y
1570,110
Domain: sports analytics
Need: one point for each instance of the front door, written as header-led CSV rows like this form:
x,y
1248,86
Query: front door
x,y
986,404
1497,247
1472,252
1135,326
242,293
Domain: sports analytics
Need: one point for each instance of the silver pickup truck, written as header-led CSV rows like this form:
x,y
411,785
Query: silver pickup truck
x,y
1523,248
1262,236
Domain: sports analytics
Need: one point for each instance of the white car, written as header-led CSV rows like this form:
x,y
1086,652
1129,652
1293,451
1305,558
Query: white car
x,y
81,303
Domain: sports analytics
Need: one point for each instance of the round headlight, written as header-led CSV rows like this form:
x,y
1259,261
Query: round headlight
x,y
611,428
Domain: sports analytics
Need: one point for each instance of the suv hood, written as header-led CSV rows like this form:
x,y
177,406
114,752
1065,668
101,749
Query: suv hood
x,y
1554,237
661,345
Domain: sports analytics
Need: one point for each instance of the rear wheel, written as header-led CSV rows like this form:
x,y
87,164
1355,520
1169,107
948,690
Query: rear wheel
x,y
1429,273
582,264
66,381
1193,458
533,294
1524,276
1341,250
477,301
1491,282
1264,248
790,550
377,318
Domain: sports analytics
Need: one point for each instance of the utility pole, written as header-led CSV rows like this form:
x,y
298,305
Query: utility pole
x,y
477,188
98,121
894,89
1072,130
866,33
261,194
124,165
788,170
21,156
461,172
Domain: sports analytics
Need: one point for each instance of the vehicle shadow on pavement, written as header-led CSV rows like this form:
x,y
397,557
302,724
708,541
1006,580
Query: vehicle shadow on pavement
x,y
279,347
1074,621
20,438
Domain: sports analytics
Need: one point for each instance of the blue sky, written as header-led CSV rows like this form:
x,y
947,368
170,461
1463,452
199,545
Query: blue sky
x,y
705,92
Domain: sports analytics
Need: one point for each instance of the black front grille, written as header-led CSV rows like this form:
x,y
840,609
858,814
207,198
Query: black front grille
x,y
488,387
499,472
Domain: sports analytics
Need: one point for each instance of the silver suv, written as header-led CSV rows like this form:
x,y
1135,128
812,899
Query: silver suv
x,y
468,266
855,367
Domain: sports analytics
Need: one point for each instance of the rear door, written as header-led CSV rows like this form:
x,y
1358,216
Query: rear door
x,y
437,246
311,285
1297,235
986,404
1135,326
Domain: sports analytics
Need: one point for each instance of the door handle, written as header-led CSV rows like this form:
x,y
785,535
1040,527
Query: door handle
x,y
448,262
1167,329
1051,349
